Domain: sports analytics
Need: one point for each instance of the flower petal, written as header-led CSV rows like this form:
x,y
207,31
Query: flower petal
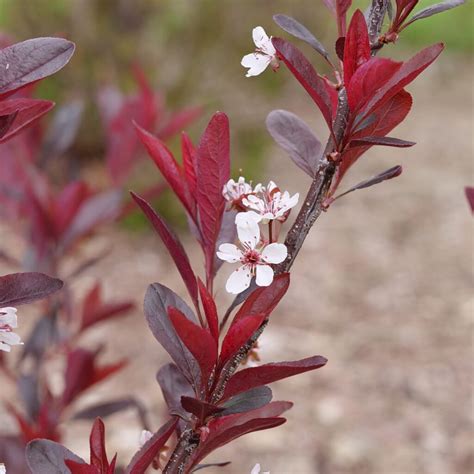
x,y
239,280
264,275
6,348
8,317
229,253
256,62
242,218
248,229
262,41
274,253
10,338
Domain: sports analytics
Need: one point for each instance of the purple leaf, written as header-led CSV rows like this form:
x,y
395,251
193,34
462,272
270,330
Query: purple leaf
x,y
387,174
213,464
173,386
158,299
32,60
107,408
435,9
384,141
22,288
252,399
98,209
62,130
45,457
295,28
296,138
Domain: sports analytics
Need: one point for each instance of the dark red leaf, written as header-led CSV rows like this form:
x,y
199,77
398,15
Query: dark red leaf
x,y
227,428
158,299
339,47
387,117
255,376
79,468
188,153
470,196
238,334
97,446
265,299
173,245
368,79
179,121
407,72
82,372
94,310
212,171
6,121
168,166
383,141
200,409
32,60
356,46
210,310
25,112
306,75
119,112
22,288
151,449
198,340
67,204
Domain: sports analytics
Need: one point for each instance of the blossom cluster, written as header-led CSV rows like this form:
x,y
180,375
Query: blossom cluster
x,y
261,205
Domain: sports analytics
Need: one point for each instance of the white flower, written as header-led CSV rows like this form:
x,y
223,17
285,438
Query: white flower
x,y
255,262
263,55
145,436
8,338
256,470
3,469
270,202
235,191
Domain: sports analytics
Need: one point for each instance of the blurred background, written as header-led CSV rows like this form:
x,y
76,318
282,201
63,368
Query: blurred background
x,y
383,286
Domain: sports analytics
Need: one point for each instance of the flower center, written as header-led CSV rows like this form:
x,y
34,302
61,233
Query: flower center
x,y
251,257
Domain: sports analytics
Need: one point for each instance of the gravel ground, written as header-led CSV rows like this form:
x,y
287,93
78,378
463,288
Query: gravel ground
x,y
382,288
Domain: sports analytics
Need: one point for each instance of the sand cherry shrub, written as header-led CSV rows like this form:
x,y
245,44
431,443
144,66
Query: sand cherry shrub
x,y
212,400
